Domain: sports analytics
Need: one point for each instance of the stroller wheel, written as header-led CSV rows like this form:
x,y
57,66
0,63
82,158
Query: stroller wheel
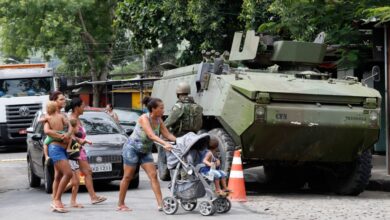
x,y
222,205
206,208
170,205
188,205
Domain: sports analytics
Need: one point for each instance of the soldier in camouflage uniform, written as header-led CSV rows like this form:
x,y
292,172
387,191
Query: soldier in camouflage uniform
x,y
186,116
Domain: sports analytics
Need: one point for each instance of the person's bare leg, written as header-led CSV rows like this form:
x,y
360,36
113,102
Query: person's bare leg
x,y
217,187
87,171
75,189
223,182
57,179
64,168
128,174
150,170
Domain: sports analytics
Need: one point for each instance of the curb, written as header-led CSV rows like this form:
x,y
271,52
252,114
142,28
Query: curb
x,y
379,185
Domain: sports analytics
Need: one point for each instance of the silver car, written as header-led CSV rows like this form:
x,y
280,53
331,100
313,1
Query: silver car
x,y
104,155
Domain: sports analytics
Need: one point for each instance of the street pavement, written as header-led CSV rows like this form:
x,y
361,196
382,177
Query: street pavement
x,y
19,201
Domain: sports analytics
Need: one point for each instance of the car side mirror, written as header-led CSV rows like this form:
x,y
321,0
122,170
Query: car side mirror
x,y
30,130
128,131
37,137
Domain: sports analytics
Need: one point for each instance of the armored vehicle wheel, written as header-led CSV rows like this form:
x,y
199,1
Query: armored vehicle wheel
x,y
226,148
188,205
170,205
283,177
162,168
206,208
357,179
222,205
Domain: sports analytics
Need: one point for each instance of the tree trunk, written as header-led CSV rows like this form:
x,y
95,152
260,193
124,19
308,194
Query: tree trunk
x,y
96,95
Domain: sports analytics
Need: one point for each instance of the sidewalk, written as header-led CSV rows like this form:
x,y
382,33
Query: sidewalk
x,y
379,181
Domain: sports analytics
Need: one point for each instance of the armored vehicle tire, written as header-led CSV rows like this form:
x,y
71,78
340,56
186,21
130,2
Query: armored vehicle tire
x,y
162,168
356,181
284,177
33,180
226,148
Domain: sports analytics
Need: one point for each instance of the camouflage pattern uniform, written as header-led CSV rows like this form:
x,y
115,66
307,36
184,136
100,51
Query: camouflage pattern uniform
x,y
176,121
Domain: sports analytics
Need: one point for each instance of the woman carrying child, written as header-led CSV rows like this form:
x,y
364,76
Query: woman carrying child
x,y
57,150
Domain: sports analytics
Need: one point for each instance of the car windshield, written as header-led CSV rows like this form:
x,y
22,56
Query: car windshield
x,y
25,87
127,116
99,123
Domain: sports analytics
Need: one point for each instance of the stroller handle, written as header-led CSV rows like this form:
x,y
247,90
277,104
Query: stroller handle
x,y
177,156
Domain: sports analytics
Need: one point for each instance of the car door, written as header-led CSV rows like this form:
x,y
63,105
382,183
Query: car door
x,y
36,151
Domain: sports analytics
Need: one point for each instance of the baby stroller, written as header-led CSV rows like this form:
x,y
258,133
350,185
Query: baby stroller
x,y
187,156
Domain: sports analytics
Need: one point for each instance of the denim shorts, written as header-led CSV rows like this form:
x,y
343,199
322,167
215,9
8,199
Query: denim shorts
x,y
218,174
57,153
132,157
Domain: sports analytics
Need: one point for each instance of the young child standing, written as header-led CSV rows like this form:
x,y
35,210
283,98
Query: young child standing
x,y
212,167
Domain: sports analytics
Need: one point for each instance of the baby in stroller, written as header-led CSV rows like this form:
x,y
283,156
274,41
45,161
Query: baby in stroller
x,y
212,170
187,155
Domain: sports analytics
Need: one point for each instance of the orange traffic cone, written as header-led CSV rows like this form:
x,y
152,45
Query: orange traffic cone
x,y
236,180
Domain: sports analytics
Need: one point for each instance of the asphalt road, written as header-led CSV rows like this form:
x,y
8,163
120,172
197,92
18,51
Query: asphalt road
x,y
19,201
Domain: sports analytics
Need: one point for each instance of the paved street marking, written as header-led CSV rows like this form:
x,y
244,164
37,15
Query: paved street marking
x,y
12,160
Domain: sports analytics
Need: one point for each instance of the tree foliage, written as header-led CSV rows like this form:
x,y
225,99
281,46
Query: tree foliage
x,y
80,32
302,20
205,24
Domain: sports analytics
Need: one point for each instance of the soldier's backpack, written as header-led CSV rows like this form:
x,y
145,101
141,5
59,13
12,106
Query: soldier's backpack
x,y
191,119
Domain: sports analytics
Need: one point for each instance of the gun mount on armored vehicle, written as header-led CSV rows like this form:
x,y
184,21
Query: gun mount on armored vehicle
x,y
301,125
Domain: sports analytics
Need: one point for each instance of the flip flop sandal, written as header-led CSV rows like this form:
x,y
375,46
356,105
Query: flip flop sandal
x,y
58,209
123,208
98,200
77,206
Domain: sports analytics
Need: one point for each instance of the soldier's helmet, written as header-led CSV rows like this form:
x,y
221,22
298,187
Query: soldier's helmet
x,y
183,88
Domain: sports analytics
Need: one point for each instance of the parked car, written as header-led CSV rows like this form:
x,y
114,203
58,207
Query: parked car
x,y
104,155
127,117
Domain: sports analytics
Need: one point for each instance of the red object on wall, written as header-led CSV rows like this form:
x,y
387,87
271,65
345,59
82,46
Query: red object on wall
x,y
85,98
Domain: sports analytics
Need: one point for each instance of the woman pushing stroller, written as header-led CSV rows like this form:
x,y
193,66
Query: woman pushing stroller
x,y
138,149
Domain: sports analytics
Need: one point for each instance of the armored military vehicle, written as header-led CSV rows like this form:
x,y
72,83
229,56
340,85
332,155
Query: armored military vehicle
x,y
300,124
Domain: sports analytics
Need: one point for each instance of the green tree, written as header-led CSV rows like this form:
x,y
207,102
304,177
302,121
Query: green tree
x,y
80,32
204,24
302,20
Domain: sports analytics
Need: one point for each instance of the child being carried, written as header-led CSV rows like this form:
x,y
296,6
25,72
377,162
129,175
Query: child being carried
x,y
53,118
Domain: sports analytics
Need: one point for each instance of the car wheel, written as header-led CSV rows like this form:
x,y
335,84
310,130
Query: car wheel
x,y
33,180
48,172
134,183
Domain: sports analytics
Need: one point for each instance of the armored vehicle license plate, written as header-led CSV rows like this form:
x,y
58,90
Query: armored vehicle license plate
x,y
101,167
